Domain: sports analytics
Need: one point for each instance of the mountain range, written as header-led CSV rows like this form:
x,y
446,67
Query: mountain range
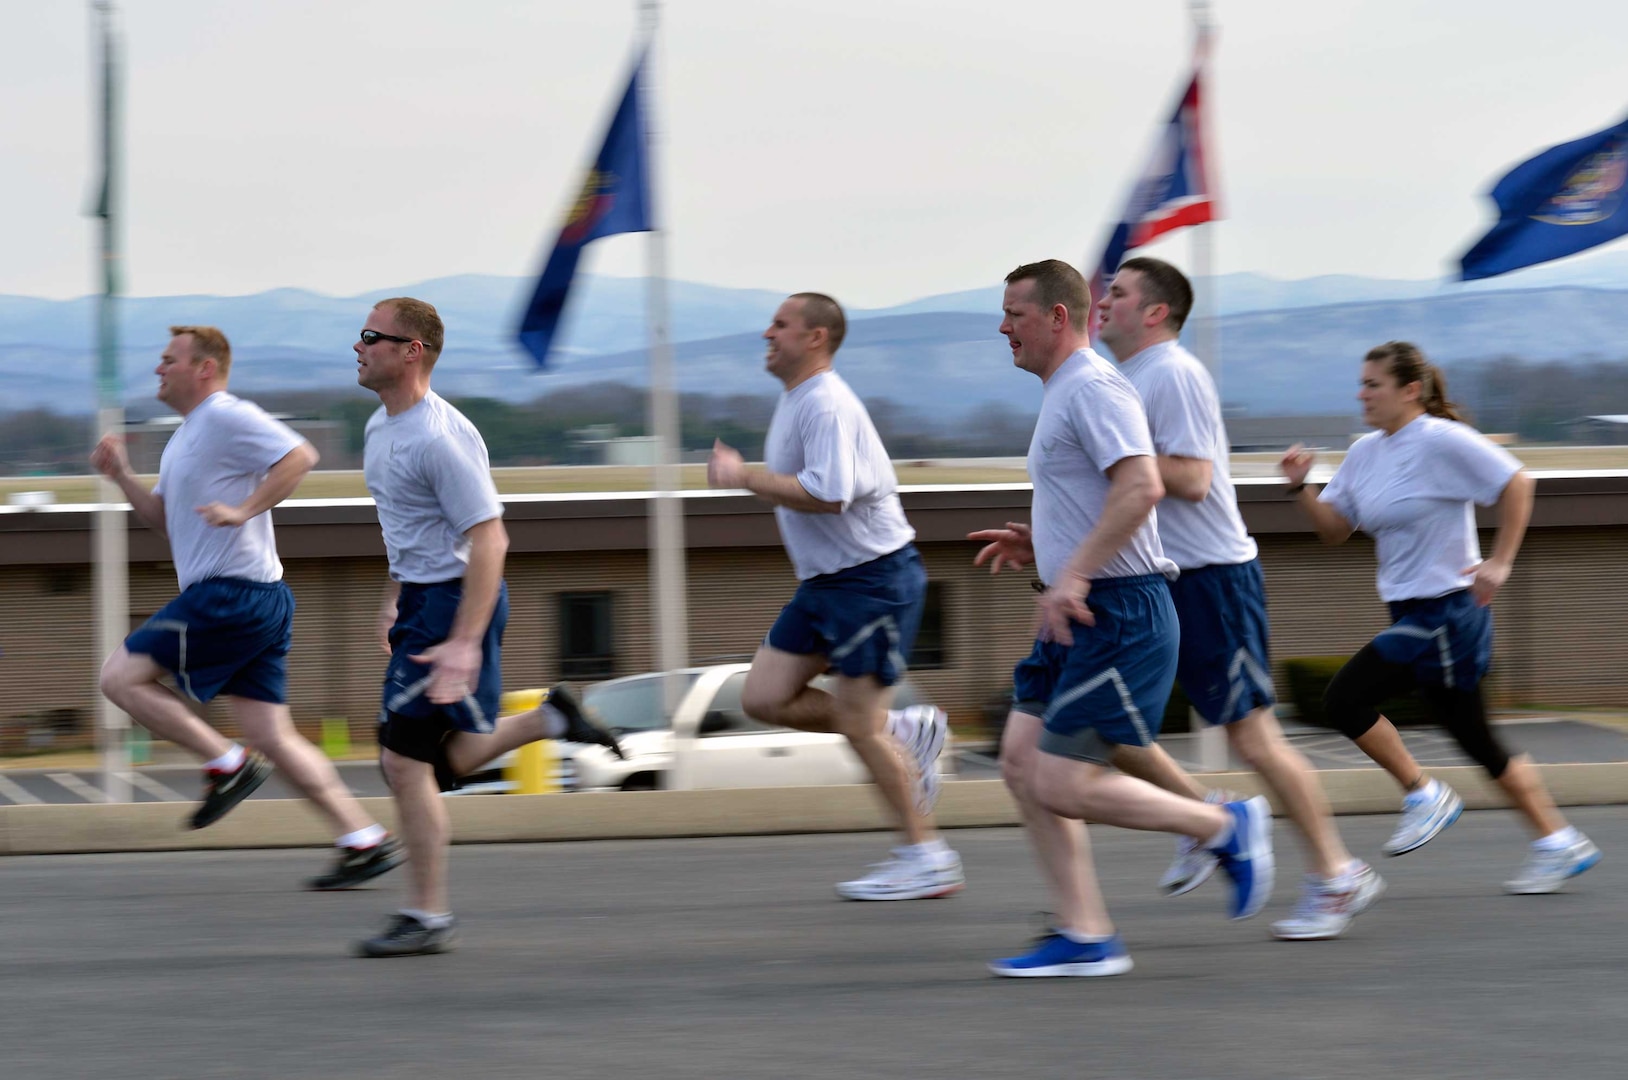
x,y
1286,346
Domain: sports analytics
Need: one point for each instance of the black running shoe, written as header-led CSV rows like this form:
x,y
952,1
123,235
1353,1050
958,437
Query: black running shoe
x,y
353,866
226,790
579,727
406,936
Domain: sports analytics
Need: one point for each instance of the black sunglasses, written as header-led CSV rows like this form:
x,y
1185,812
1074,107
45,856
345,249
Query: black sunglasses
x,y
370,336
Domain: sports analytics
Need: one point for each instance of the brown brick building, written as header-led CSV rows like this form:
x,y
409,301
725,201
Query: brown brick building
x,y
579,597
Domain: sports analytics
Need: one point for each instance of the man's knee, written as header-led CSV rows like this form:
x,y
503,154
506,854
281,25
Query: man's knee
x,y
123,671
1256,738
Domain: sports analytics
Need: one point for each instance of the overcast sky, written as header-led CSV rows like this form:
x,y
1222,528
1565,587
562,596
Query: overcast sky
x,y
880,150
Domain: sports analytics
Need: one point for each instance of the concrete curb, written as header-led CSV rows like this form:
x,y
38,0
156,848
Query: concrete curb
x,y
490,819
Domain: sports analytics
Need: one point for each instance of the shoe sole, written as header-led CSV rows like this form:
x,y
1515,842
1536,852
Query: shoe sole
x,y
1187,885
1117,965
377,870
1588,863
250,787
1458,808
431,950
935,894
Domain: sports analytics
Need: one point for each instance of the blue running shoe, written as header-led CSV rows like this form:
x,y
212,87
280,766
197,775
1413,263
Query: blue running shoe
x,y
1055,955
1247,856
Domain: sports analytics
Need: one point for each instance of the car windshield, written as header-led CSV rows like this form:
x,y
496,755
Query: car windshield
x,y
627,705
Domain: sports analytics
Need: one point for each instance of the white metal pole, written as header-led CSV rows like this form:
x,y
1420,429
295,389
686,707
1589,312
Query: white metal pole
x,y
112,541
667,569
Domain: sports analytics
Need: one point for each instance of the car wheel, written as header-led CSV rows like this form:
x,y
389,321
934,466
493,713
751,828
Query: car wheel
x,y
645,781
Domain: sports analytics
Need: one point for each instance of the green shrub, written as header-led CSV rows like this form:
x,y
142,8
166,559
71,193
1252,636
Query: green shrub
x,y
1308,676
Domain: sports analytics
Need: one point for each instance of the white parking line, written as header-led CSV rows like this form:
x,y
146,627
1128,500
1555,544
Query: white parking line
x,y
15,792
78,786
154,788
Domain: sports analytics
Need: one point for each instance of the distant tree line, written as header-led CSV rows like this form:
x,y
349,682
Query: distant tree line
x,y
1537,401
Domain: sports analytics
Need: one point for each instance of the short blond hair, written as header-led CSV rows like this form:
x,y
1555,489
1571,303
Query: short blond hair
x,y
419,319
208,341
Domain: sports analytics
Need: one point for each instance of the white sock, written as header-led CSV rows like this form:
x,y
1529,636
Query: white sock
x,y
554,724
1086,939
365,837
231,761
1559,839
429,919
1220,839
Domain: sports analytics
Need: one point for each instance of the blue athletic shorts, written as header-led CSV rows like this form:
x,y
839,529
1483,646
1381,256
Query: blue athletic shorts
x,y
1226,665
424,615
223,635
864,619
1447,640
1110,687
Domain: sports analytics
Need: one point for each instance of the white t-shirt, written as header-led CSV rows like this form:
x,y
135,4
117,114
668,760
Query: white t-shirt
x,y
430,477
1184,412
221,453
1414,493
1090,420
821,434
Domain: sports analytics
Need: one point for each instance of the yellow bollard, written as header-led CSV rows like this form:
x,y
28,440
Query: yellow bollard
x,y
535,767
335,737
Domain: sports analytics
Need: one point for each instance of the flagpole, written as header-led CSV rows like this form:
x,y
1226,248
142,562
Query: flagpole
x,y
1212,741
112,540
667,570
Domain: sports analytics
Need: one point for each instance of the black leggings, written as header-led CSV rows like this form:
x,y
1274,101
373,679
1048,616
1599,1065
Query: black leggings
x,y
1353,696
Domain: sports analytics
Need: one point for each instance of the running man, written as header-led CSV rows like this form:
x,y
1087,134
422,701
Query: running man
x,y
443,616
1224,664
1104,657
1413,485
228,632
860,595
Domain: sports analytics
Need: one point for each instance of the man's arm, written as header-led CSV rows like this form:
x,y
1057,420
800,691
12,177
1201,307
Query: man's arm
x,y
280,482
455,663
110,460
1134,490
727,469
1185,477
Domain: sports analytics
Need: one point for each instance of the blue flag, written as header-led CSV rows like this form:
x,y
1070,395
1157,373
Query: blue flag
x,y
1567,199
615,199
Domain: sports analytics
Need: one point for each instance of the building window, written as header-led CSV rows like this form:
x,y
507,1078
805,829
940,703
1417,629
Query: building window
x,y
587,650
929,652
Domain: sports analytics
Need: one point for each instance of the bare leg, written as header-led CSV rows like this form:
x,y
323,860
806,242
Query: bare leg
x,y
425,829
1088,792
467,751
1524,786
777,692
269,729
130,681
1260,742
1155,765
1383,743
1060,845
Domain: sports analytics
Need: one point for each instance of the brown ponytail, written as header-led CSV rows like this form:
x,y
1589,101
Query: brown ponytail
x,y
1406,363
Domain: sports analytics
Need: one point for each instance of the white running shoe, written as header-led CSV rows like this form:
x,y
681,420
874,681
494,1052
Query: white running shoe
x,y
1326,907
1546,869
922,730
905,876
1425,813
1194,863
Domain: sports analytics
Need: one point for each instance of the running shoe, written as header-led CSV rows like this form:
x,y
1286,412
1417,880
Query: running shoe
x,y
579,727
1425,812
1055,956
906,876
922,730
353,866
1546,870
1246,856
224,790
1194,863
1327,907
406,936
